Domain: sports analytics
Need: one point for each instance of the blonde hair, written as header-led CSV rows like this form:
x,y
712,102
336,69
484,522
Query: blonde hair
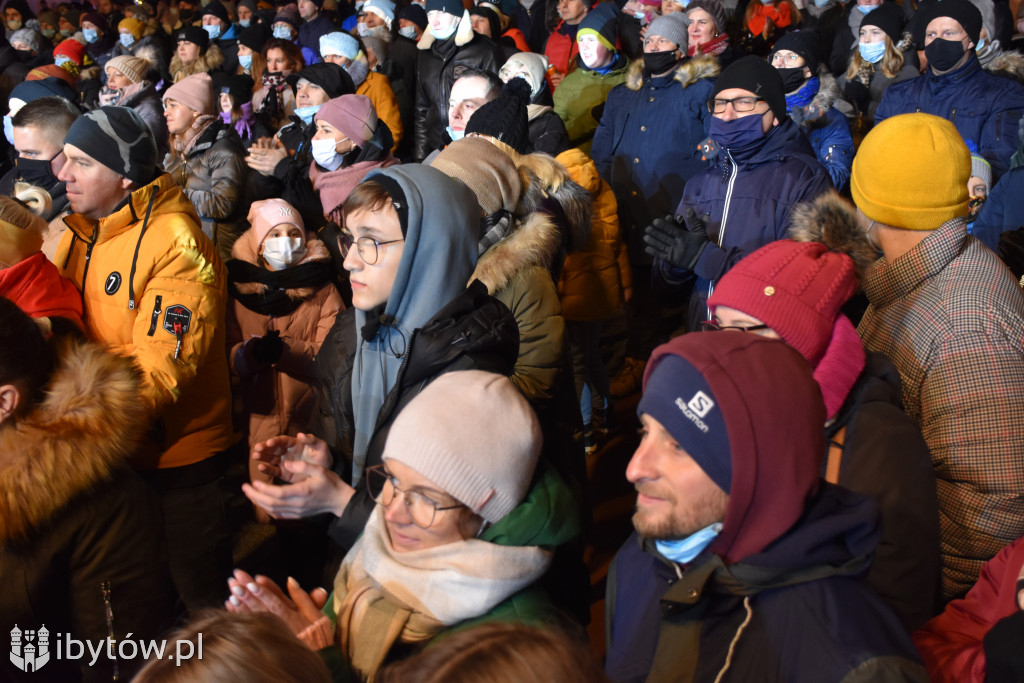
x,y
20,212
890,65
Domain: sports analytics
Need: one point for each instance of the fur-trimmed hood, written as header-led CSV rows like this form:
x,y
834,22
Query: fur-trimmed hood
x,y
246,249
687,73
534,242
463,34
89,423
1008,64
546,178
832,220
828,92
204,63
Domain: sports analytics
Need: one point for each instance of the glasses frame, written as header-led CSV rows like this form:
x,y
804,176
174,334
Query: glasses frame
x,y
715,326
713,102
345,242
409,498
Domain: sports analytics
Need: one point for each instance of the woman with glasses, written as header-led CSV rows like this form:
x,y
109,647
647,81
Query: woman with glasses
x,y
795,290
283,302
454,539
409,257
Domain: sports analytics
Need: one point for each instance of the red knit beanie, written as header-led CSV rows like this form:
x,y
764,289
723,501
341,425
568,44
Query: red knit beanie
x,y
796,288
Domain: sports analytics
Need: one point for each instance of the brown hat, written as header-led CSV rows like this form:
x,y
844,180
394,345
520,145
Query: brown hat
x,y
485,169
195,92
133,68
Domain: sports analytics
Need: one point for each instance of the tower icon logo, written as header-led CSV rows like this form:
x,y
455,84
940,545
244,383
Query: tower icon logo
x,y
30,650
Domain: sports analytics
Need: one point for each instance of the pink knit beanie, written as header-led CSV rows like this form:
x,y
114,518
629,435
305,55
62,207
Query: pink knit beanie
x,y
267,214
195,92
353,115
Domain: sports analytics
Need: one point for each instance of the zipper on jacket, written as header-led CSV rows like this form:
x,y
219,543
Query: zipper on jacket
x,y
135,257
725,215
88,257
109,615
156,315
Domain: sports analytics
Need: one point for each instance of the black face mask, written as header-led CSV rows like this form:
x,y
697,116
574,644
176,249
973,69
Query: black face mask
x,y
944,54
25,56
36,172
792,79
656,63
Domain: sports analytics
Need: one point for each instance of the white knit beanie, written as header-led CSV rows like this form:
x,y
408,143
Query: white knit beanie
x,y
472,434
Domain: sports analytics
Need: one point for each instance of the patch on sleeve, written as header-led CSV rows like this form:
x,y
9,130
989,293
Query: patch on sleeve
x,y
177,319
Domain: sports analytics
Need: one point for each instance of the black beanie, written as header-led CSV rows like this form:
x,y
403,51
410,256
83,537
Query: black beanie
x,y
757,76
804,43
254,37
194,34
119,139
416,15
217,10
333,78
239,87
492,19
450,6
963,11
506,118
889,18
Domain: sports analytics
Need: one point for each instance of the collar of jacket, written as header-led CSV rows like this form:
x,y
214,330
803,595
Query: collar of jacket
x,y
130,212
889,281
686,74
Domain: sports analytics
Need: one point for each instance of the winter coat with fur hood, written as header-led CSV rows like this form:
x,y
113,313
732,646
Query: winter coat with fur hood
x,y
826,129
279,398
208,61
213,174
648,142
73,517
437,67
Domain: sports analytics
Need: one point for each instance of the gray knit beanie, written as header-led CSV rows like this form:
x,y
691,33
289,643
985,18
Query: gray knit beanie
x,y
671,27
472,434
118,138
712,7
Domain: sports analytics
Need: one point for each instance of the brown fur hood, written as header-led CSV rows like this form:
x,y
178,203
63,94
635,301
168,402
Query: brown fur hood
x,y
1009,64
534,242
546,177
203,64
89,422
246,249
832,220
687,73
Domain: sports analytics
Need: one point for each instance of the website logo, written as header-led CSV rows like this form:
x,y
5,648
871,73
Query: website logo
x,y
30,650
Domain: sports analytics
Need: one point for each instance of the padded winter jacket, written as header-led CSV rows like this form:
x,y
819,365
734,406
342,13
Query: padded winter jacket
x,y
580,101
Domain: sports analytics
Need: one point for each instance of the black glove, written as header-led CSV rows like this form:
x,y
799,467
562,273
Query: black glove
x,y
857,94
268,348
677,240
1004,660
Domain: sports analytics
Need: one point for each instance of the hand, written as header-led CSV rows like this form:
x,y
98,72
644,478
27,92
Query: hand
x,y
298,609
318,490
627,294
857,94
666,239
265,159
271,453
268,348
556,79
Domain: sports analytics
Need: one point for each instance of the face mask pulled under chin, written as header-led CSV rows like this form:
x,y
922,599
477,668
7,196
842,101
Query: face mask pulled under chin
x,y
944,54
281,252
737,133
445,32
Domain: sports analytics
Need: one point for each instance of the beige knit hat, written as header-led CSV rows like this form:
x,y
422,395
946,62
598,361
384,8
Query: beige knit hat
x,y
485,169
195,92
473,435
133,68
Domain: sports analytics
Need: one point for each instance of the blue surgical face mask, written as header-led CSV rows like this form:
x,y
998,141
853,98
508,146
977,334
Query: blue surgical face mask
x,y
244,23
872,52
282,33
687,549
48,32
127,39
213,30
445,33
821,3
736,133
981,44
245,61
455,134
61,60
408,31
8,129
867,9
307,113
91,35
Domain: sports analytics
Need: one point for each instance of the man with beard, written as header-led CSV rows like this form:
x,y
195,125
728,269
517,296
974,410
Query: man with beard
x,y
744,562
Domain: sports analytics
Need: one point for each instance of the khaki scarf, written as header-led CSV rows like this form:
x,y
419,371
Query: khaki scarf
x,y
382,596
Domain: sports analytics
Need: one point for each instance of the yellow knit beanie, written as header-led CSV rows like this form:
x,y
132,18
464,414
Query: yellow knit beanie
x,y
134,26
911,172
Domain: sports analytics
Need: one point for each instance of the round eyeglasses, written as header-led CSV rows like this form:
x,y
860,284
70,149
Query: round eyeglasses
x,y
368,248
422,509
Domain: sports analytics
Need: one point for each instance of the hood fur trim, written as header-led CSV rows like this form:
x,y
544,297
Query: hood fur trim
x,y
543,176
828,93
204,63
1009,64
687,73
244,251
535,242
463,34
832,220
89,422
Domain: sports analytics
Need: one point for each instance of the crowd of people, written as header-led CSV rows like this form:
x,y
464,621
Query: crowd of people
x,y
400,265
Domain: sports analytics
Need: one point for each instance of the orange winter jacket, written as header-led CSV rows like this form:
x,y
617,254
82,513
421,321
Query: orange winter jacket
x,y
156,291
377,87
593,280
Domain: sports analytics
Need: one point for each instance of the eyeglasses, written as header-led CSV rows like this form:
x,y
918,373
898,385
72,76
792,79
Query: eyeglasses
x,y
739,104
421,508
789,59
715,326
368,248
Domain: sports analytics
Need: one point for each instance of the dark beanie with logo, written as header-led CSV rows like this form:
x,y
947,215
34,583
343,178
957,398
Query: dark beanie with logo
x,y
755,75
118,138
450,6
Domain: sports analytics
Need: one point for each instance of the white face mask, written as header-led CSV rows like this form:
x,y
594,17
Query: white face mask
x,y
281,252
324,154
408,31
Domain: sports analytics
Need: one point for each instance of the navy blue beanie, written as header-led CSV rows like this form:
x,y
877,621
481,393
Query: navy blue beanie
x,y
450,6
679,397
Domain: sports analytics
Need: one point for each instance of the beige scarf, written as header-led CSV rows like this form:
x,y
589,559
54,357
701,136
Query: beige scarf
x,y
382,596
184,142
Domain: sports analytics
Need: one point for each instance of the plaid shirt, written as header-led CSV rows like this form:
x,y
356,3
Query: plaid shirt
x,y
951,318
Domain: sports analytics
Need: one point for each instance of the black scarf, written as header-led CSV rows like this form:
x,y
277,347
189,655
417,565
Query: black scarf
x,y
275,301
